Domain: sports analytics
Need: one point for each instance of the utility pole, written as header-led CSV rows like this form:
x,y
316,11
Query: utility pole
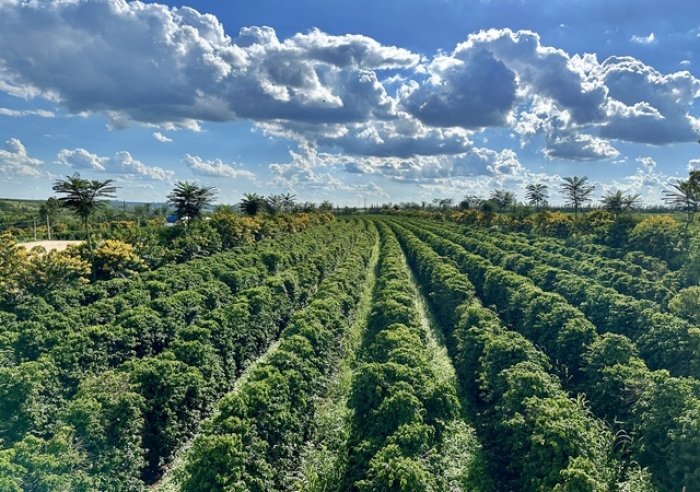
x,y
35,228
48,227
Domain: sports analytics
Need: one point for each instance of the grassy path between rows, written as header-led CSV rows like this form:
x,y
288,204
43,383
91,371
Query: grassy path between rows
x,y
322,464
324,460
460,440
170,480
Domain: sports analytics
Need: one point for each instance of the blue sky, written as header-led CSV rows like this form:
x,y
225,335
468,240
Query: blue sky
x,y
383,100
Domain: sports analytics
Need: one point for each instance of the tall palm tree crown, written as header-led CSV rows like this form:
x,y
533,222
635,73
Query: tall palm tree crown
x,y
537,194
252,204
84,197
576,191
275,203
288,202
617,203
685,195
190,199
502,199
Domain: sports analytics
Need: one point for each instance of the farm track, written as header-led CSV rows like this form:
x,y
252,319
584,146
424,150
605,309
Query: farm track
x,y
324,457
406,418
171,478
324,468
49,245
461,450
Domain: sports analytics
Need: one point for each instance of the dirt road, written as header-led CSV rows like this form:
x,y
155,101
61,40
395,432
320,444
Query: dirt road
x,y
49,245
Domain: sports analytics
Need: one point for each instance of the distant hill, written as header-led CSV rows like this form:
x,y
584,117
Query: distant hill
x,y
11,205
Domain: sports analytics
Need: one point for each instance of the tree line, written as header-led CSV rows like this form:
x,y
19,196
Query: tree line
x,y
683,195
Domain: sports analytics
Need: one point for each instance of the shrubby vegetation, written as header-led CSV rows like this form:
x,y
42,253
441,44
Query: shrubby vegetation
x,y
174,340
254,440
574,334
402,407
536,437
609,308
604,367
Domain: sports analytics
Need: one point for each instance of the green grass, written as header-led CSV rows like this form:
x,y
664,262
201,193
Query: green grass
x,y
323,460
461,462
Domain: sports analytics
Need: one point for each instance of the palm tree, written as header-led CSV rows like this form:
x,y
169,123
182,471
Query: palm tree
x,y
190,199
537,194
84,197
632,202
225,209
576,191
326,206
469,201
252,204
139,212
617,203
274,203
685,195
443,203
502,199
288,202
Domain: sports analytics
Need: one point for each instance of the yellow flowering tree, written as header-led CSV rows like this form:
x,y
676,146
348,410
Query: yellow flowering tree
x,y
116,259
55,269
25,272
13,266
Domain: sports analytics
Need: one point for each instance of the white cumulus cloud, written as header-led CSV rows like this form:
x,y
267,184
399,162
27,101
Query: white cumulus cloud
x,y
580,147
122,163
470,89
174,67
693,164
648,163
171,68
215,168
161,138
646,106
542,70
14,161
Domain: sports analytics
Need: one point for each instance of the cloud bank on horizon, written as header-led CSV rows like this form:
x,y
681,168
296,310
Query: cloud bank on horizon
x,y
359,116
